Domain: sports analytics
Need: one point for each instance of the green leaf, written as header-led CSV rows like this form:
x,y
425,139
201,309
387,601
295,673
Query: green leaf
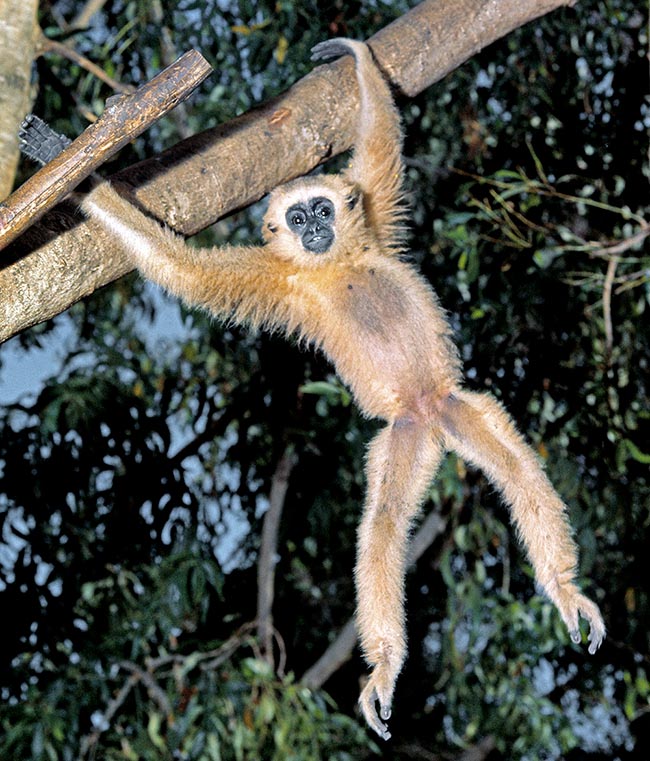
x,y
153,730
636,453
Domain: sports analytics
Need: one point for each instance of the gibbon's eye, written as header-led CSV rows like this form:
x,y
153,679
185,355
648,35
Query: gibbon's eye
x,y
323,208
296,217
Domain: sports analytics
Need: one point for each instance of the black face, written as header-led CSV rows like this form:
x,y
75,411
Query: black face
x,y
313,223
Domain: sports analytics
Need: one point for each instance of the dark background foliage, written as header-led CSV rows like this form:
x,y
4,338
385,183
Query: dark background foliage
x,y
134,474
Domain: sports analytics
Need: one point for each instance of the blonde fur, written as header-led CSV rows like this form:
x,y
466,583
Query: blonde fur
x,y
381,325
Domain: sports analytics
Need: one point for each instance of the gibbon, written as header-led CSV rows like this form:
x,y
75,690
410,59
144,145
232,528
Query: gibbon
x,y
330,272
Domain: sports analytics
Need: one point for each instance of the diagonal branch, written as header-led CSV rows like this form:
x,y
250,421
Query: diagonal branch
x,y
126,116
268,552
64,258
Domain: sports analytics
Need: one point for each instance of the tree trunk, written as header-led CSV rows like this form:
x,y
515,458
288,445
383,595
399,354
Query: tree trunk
x,y
18,34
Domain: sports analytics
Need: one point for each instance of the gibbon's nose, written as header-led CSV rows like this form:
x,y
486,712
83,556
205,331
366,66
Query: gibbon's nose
x,y
315,227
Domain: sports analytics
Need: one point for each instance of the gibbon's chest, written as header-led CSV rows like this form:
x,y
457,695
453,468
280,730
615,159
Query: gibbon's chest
x,y
378,310
382,328
359,301
374,303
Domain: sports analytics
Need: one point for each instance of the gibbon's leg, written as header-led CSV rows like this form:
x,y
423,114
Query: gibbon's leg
x,y
480,430
402,461
376,165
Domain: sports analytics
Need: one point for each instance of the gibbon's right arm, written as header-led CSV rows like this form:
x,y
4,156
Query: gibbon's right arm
x,y
239,282
245,283
377,160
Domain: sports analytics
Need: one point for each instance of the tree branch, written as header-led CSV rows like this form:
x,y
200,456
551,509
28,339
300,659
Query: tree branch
x,y
62,259
45,45
90,741
341,649
126,116
607,305
268,551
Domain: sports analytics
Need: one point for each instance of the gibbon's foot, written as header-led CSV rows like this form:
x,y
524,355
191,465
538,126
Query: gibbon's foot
x,y
589,611
331,49
572,604
379,688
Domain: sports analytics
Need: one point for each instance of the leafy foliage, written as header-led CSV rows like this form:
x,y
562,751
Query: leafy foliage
x,y
135,476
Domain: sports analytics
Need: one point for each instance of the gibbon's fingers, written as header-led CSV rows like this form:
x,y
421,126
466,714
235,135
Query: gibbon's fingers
x,y
39,142
338,46
591,613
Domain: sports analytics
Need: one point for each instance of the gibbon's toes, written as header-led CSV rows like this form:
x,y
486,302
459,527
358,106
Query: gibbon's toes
x,y
596,630
367,701
331,49
572,605
584,607
594,643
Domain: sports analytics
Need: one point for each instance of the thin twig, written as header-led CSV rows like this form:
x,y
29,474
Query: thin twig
x,y
82,19
46,45
90,740
156,692
282,650
208,660
624,245
607,305
215,658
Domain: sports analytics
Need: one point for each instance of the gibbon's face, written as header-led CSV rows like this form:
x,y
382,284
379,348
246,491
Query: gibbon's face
x,y
313,222
309,218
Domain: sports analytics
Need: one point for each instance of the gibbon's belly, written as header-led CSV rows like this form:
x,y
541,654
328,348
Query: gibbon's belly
x,y
394,348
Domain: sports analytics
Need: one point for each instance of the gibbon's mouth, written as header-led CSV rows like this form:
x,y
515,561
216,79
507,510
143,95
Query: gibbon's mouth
x,y
318,243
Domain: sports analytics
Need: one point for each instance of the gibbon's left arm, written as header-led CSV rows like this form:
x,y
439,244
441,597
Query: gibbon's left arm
x,y
376,167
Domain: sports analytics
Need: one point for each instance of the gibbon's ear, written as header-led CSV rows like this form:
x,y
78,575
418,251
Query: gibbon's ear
x,y
352,198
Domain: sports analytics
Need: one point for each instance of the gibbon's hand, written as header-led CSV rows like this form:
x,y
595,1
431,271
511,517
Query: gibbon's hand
x,y
332,49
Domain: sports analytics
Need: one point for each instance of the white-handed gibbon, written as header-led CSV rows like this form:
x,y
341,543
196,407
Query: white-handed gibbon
x,y
330,272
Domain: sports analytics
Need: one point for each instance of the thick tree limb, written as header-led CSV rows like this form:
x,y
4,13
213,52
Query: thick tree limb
x,y
62,259
341,648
